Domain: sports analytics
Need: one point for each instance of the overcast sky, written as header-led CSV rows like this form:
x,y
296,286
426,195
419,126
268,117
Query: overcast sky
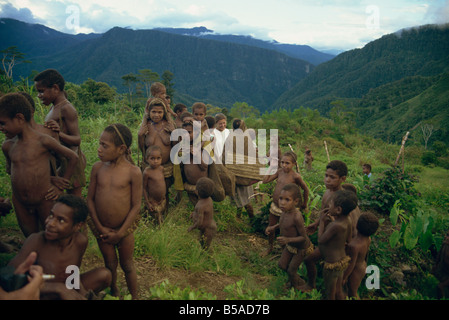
x,y
333,24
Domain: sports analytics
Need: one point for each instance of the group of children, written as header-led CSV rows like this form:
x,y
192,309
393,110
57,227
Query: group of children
x,y
46,160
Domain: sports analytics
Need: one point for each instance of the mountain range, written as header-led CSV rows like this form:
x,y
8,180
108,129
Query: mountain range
x,y
215,72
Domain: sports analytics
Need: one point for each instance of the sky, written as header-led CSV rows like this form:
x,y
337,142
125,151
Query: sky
x,y
324,25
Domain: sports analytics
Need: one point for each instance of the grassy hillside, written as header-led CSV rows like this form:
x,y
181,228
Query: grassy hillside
x,y
171,264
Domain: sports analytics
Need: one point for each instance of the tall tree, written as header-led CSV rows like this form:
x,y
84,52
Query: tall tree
x,y
129,81
147,77
167,81
10,58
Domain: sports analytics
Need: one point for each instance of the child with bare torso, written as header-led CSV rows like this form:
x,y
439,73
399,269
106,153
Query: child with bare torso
x,y
114,199
293,236
203,215
285,175
154,184
63,120
28,157
333,233
62,245
357,250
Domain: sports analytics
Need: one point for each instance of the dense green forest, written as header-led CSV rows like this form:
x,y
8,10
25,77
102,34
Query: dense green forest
x,y
410,199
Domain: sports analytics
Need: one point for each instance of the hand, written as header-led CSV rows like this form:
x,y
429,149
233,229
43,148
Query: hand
x,y
283,240
269,230
53,125
32,290
112,237
60,182
53,193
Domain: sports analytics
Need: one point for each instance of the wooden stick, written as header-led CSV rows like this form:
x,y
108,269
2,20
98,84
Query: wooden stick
x,y
401,151
327,151
297,168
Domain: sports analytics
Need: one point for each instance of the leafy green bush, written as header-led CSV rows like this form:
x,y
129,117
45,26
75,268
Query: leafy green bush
x,y
382,193
428,158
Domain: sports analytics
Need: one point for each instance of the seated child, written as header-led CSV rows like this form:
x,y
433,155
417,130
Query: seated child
x,y
154,186
203,215
293,236
333,233
357,250
28,159
62,245
114,199
284,176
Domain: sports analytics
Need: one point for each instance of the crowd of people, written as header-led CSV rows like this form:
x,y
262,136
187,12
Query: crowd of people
x,y
46,166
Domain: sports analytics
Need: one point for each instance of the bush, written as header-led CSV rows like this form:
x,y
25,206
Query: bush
x,y
382,193
428,158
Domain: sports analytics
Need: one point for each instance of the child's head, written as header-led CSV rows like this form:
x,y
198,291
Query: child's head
x,y
288,161
199,111
158,90
289,197
15,111
350,187
239,124
367,224
335,175
66,217
49,84
343,202
15,103
205,187
366,168
188,126
186,117
30,100
115,141
220,122
179,109
154,156
157,110
210,121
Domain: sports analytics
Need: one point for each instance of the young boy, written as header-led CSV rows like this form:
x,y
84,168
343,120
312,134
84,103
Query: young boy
x,y
366,169
28,157
334,177
154,184
357,250
293,236
62,119
284,176
203,215
62,245
199,111
333,234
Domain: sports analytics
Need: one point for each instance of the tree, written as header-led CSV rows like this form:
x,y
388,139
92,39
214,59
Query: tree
x,y
243,111
167,81
147,77
427,130
129,80
10,58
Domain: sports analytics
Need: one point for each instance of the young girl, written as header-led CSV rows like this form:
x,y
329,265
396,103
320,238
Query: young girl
x,y
114,199
156,130
285,175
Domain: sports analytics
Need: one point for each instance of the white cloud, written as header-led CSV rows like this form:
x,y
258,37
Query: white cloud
x,y
337,24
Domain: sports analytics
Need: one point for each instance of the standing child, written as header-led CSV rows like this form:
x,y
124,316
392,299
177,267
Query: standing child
x,y
62,245
308,159
357,250
62,119
28,159
293,237
203,215
284,176
154,184
220,133
199,111
114,199
333,234
334,177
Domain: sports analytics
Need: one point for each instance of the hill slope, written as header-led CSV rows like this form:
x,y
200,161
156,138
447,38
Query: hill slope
x,y
215,72
418,51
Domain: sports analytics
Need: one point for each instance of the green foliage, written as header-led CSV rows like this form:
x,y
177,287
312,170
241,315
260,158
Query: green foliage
x,y
428,158
382,193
